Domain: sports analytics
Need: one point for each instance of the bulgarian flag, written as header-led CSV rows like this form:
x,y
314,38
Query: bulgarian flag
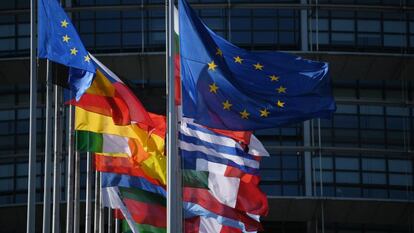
x,y
142,211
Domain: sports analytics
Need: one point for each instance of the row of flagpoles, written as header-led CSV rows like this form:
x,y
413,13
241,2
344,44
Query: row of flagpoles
x,y
51,213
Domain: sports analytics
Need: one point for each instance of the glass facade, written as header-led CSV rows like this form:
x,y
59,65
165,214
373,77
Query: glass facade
x,y
138,26
364,151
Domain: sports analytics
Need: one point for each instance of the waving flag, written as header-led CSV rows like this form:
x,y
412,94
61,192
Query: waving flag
x,y
220,177
227,87
58,41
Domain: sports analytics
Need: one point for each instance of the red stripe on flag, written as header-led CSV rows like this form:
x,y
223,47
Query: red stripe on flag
x,y
144,213
228,229
192,225
205,199
137,111
251,199
121,165
109,106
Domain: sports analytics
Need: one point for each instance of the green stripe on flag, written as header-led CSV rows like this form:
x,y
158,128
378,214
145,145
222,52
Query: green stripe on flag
x,y
195,179
143,228
88,141
142,196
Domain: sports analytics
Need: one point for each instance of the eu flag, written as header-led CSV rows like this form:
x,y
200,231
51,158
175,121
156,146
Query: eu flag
x,y
227,87
58,41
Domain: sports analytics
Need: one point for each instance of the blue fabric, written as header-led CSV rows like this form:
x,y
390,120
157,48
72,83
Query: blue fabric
x,y
304,85
113,179
192,210
58,41
189,159
216,147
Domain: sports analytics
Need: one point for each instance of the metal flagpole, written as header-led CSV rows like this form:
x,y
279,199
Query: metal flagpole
x,y
97,202
174,203
117,221
88,204
110,219
48,149
101,208
70,168
31,185
76,208
57,162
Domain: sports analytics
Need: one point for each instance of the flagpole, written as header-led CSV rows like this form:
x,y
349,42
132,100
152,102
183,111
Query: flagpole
x,y
57,151
31,185
48,149
97,202
174,202
70,168
117,225
76,207
88,204
101,208
110,220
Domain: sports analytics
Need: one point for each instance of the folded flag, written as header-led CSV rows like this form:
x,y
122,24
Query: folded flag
x,y
58,41
108,95
122,164
220,176
146,148
111,198
227,87
231,191
202,224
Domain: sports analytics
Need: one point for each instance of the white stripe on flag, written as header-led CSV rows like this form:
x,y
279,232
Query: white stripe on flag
x,y
209,225
256,148
205,165
236,159
215,139
111,198
104,68
224,189
115,144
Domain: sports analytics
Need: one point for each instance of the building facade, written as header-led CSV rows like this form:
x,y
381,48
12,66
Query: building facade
x,y
353,173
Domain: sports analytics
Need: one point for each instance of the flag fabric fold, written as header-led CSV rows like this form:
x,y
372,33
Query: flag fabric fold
x,y
220,177
58,41
227,87
108,95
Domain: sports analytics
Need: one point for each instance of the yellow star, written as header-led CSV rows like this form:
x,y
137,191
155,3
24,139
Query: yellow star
x,y
258,66
273,78
227,105
66,38
264,113
212,66
73,51
64,23
219,52
244,114
280,104
238,60
87,58
213,88
281,89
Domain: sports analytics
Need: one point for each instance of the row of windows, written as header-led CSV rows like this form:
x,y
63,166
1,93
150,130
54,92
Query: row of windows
x,y
21,4
270,29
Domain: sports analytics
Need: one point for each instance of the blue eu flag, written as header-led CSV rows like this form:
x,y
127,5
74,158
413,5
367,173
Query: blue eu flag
x,y
227,87
58,41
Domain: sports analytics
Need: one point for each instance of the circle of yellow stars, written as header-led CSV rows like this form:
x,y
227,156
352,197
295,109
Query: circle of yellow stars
x,y
212,66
